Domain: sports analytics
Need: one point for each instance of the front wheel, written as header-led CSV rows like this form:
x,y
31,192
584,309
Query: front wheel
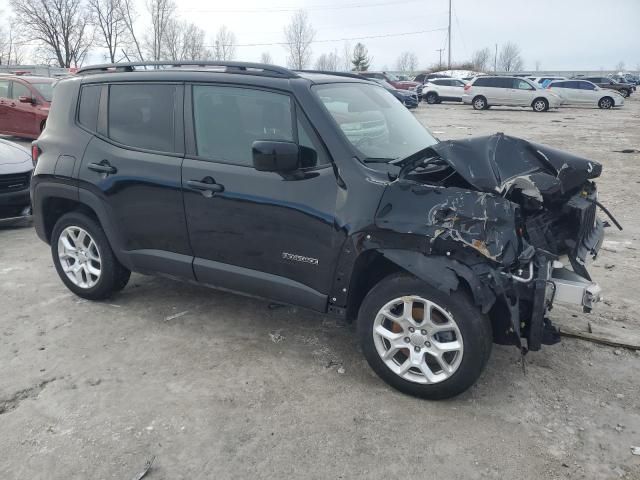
x,y
605,103
540,105
422,341
625,93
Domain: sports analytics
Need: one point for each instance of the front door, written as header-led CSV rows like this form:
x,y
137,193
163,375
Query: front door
x,y
5,125
133,165
23,114
263,233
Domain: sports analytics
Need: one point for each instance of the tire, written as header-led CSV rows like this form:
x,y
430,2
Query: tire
x,y
479,103
625,93
466,326
540,105
432,98
80,246
605,102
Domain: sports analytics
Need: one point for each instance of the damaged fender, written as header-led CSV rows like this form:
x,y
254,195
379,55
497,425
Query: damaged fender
x,y
444,274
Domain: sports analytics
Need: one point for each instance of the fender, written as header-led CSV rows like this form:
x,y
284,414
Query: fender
x,y
445,274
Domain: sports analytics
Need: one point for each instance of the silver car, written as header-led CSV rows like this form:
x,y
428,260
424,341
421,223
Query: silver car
x,y
583,92
487,91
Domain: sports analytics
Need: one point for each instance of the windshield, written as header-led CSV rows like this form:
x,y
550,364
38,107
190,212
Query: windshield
x,y
45,89
374,121
384,83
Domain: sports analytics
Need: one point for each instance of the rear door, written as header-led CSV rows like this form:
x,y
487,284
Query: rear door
x,y
133,166
263,233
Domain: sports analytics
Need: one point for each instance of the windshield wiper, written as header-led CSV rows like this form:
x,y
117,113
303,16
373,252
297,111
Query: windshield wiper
x,y
378,160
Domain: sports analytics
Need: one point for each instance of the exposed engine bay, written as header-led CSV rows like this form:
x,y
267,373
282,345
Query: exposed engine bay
x,y
517,221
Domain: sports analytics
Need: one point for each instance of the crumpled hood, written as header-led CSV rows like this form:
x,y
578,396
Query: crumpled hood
x,y
497,162
14,158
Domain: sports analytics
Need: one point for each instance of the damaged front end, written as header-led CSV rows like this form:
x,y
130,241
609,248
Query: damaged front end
x,y
506,217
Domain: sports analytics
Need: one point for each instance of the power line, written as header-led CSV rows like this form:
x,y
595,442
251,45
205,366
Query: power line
x,y
368,37
295,9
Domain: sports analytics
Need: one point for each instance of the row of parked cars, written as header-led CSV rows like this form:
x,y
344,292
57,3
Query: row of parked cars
x,y
539,93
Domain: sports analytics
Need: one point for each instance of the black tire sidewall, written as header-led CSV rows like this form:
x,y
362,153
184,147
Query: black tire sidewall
x,y
474,327
604,99
110,268
546,105
432,98
473,102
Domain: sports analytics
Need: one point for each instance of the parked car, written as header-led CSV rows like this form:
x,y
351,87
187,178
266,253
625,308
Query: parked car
x,y
605,82
320,191
544,81
425,77
395,81
408,98
582,92
24,104
443,90
486,91
15,177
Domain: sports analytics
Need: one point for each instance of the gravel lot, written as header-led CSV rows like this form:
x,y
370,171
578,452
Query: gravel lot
x,y
219,386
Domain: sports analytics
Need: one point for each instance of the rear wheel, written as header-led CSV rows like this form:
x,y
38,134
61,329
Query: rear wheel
x,y
479,103
420,340
432,97
605,102
540,105
84,259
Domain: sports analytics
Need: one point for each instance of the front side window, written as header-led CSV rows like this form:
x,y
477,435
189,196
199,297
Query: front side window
x,y
20,90
523,85
373,121
4,88
586,86
228,120
45,89
143,115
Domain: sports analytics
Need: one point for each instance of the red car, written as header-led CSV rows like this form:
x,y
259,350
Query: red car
x,y
24,105
395,81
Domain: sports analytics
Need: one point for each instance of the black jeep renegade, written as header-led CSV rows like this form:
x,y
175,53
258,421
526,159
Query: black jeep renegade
x,y
320,191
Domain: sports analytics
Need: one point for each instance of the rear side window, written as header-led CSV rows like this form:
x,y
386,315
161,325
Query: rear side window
x,y
228,120
143,116
88,109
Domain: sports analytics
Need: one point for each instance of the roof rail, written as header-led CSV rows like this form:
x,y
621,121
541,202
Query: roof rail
x,y
337,74
230,67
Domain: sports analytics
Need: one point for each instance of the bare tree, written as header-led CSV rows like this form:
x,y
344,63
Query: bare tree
x,y
328,62
183,41
299,35
225,44
61,27
11,52
107,17
347,53
480,59
129,17
161,12
509,59
265,57
620,66
360,59
407,62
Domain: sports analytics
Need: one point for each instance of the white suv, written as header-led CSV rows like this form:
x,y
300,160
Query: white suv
x,y
438,90
486,91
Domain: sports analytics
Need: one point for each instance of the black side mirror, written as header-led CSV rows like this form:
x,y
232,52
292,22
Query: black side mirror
x,y
26,99
275,156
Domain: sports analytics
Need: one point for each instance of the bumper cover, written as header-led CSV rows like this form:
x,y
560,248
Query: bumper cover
x,y
14,205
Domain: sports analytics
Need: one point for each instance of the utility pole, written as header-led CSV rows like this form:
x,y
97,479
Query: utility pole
x,y
449,49
495,60
440,50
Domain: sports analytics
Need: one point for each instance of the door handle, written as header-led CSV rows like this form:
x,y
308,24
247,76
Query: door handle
x,y
102,167
211,187
207,186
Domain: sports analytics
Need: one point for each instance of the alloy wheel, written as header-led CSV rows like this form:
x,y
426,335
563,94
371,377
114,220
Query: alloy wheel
x,y
79,257
479,103
539,106
418,340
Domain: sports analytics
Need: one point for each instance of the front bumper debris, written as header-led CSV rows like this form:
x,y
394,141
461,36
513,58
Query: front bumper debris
x,y
569,287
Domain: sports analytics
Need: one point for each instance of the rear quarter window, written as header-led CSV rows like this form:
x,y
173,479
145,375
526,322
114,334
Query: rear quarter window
x,y
88,108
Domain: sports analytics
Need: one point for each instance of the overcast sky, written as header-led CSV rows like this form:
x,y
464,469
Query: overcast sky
x,y
560,34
